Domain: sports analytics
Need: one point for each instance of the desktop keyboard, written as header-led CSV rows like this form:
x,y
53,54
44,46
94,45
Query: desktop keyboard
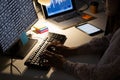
x,y
36,59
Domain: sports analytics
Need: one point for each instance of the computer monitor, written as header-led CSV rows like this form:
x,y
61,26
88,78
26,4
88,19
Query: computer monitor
x,y
58,7
16,16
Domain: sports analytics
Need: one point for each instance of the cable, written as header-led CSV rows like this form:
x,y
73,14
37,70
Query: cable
x,y
17,69
11,67
86,7
11,71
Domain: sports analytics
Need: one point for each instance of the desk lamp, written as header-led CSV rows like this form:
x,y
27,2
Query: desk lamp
x,y
44,2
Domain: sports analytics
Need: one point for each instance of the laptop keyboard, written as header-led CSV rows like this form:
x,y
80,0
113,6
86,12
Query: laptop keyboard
x,y
37,59
66,16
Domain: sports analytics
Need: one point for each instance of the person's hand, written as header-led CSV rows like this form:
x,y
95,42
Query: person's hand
x,y
59,49
55,60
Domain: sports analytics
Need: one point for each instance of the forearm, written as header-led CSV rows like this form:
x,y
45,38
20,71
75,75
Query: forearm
x,y
95,46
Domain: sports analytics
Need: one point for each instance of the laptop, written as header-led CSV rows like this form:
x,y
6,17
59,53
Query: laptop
x,y
63,13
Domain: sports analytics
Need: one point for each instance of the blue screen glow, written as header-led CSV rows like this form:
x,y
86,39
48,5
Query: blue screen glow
x,y
59,6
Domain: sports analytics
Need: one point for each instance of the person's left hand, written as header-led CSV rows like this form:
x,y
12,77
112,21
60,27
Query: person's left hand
x,y
55,60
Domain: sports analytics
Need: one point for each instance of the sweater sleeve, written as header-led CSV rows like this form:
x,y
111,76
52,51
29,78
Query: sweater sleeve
x,y
83,71
86,71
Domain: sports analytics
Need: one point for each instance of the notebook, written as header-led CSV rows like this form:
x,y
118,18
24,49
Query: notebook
x,y
63,13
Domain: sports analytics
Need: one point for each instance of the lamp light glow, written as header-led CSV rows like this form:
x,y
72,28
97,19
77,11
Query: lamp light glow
x,y
44,2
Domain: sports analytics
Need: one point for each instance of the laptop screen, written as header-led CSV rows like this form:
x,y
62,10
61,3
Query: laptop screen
x,y
58,7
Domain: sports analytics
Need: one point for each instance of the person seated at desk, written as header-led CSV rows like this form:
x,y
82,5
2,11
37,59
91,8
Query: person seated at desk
x,y
113,15
108,46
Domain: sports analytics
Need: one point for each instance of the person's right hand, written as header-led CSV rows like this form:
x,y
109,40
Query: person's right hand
x,y
55,60
59,49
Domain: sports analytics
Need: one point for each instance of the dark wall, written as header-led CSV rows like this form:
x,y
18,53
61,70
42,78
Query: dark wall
x,y
80,3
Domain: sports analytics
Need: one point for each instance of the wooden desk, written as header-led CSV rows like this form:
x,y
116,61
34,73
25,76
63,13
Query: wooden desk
x,y
74,38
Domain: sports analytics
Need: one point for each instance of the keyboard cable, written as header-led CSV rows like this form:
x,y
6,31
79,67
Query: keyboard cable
x,y
11,67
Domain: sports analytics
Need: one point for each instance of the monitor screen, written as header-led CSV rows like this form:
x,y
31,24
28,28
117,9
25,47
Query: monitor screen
x,y
57,7
16,16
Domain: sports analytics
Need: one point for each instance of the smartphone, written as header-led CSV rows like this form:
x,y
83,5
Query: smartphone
x,y
89,29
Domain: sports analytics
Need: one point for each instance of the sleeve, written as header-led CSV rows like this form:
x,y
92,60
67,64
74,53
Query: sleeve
x,y
86,71
110,71
83,71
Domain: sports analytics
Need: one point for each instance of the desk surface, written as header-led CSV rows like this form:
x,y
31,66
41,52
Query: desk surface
x,y
74,38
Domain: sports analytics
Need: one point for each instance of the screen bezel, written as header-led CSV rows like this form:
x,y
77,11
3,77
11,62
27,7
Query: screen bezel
x,y
45,15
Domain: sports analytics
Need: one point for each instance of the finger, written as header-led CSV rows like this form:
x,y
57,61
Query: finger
x,y
48,54
56,42
51,48
48,57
